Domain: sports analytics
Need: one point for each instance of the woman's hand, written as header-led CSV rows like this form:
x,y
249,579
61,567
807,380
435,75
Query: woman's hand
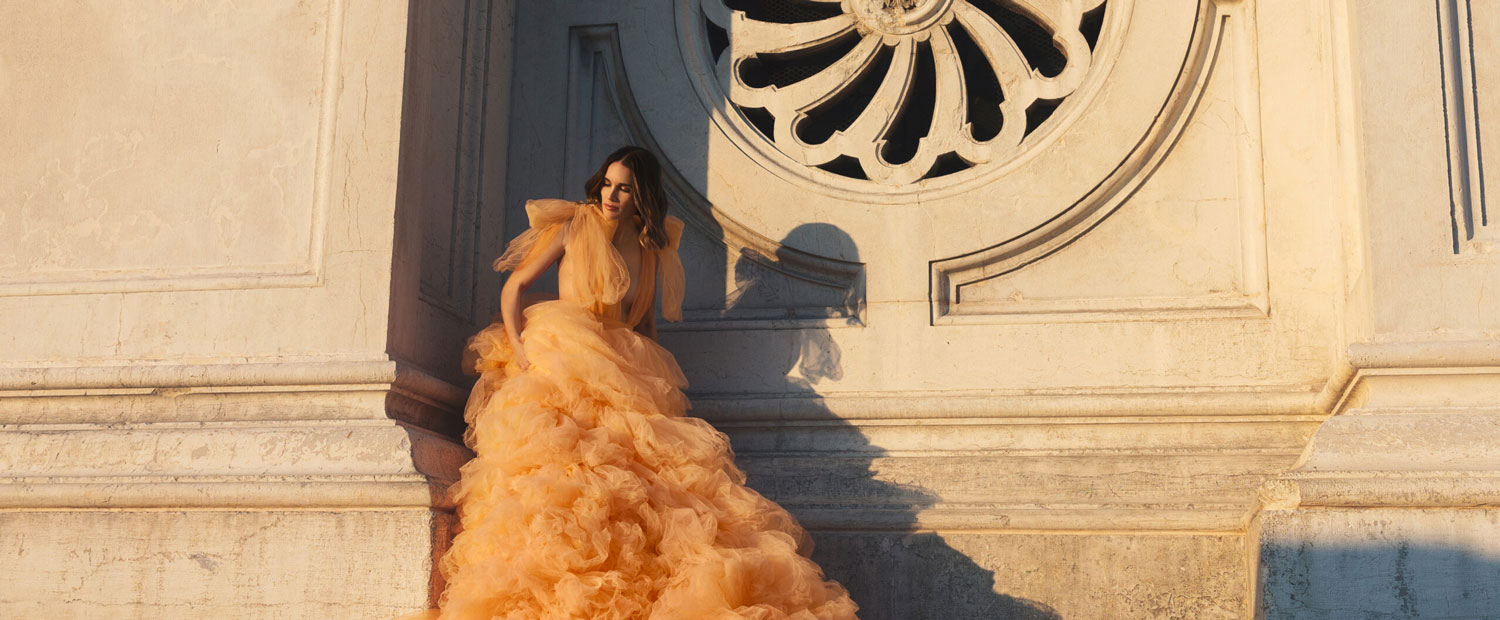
x,y
518,357
515,288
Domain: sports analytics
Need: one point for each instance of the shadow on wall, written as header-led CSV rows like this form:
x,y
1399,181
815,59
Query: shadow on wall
x,y
1303,580
820,466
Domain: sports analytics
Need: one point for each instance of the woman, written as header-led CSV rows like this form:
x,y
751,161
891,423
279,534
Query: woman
x,y
591,494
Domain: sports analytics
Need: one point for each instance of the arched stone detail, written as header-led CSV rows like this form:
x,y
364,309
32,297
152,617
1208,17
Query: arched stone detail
x,y
949,275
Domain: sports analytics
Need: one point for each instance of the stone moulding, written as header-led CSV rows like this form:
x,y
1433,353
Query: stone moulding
x,y
1460,353
1384,490
307,273
411,491
338,447
947,276
1076,472
1414,425
603,43
1092,519
1125,460
264,374
313,434
1229,402
269,392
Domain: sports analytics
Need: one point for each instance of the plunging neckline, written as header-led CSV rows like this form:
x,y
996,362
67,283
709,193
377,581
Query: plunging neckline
x,y
639,296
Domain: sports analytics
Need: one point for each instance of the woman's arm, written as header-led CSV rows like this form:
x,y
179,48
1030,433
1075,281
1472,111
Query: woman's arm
x,y
520,280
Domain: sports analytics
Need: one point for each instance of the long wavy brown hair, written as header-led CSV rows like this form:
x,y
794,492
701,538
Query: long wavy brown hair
x,y
650,203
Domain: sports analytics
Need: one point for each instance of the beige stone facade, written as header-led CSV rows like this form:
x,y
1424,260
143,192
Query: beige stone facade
x,y
1027,308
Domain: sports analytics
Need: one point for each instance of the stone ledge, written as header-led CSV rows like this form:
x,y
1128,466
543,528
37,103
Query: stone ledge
x,y
169,379
360,447
413,491
1428,354
266,393
1363,489
952,406
1075,518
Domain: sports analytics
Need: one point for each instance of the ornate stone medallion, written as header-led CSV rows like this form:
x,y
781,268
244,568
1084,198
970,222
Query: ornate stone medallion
x,y
891,93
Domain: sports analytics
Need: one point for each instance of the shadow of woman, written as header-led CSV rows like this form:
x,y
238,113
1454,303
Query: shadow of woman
x,y
820,467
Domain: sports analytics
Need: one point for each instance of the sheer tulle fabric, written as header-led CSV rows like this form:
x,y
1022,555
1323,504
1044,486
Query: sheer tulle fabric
x,y
592,495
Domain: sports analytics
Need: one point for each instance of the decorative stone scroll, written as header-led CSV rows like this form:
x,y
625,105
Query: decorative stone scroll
x,y
898,91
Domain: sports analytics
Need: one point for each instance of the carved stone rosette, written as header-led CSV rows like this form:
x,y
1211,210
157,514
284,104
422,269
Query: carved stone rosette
x,y
905,89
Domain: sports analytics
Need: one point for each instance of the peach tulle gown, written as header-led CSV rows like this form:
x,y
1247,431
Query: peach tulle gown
x,y
592,495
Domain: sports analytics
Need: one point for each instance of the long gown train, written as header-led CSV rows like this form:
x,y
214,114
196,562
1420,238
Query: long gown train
x,y
592,495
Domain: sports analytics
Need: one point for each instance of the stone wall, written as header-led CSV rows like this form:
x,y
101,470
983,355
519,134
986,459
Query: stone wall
x,y
213,240
1100,308
1390,509
1093,337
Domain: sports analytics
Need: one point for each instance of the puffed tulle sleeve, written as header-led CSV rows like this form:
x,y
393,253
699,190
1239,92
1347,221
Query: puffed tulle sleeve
x,y
673,281
547,218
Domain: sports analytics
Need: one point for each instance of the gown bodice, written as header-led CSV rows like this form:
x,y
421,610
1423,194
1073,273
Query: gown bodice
x,y
592,273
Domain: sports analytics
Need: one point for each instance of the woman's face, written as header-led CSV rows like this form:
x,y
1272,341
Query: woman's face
x,y
617,196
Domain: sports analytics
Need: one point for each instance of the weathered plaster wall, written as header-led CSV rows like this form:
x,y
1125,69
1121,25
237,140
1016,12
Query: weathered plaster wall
x,y
218,383
1389,511
199,182
1434,262
221,564
1099,345
1374,563
242,246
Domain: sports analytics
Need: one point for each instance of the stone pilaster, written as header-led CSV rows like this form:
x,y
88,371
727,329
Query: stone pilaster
x,y
1393,510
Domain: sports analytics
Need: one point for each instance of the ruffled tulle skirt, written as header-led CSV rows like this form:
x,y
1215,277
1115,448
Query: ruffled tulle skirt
x,y
593,496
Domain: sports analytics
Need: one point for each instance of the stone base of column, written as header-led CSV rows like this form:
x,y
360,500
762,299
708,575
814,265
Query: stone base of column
x,y
220,563
1394,509
280,490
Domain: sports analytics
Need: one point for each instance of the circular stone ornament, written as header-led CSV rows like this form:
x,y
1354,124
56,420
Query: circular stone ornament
x,y
899,17
891,97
